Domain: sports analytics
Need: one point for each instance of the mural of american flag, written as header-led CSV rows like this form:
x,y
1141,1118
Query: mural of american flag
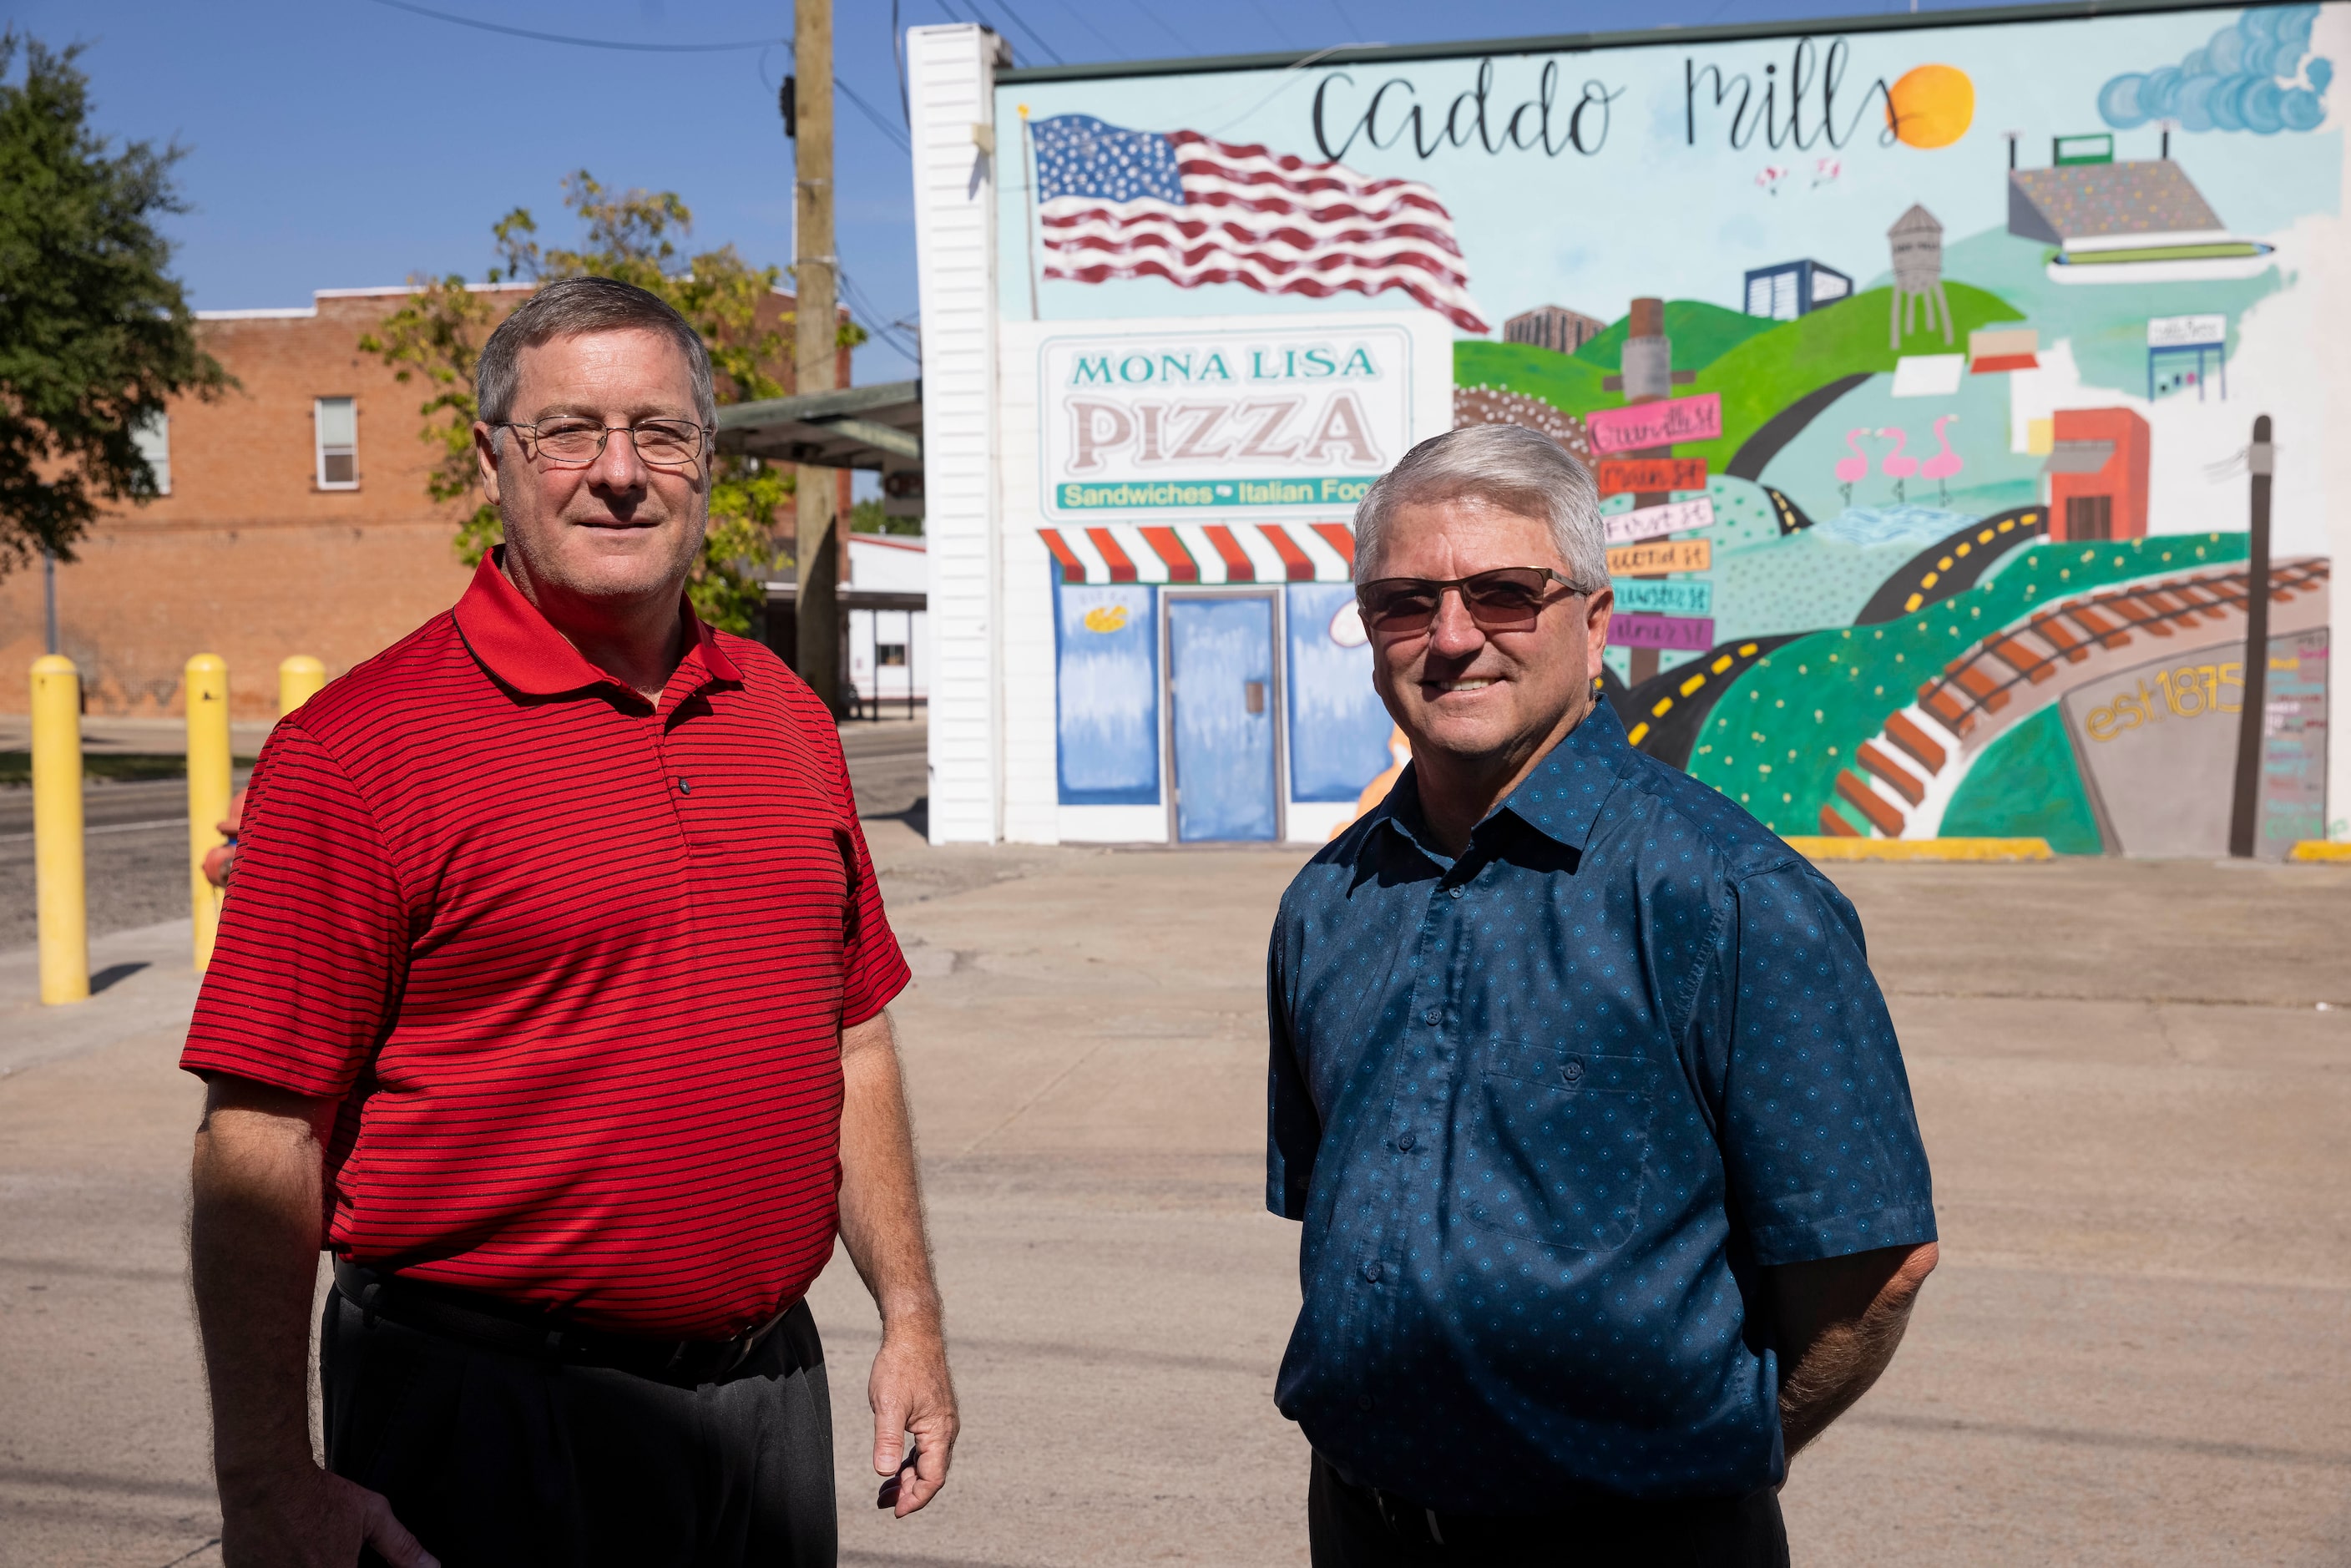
x,y
1182,206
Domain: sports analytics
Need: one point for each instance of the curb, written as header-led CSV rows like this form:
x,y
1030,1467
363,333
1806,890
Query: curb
x,y
2321,850
1842,849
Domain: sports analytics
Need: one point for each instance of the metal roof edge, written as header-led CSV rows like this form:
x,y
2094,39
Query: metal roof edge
x,y
818,404
1579,43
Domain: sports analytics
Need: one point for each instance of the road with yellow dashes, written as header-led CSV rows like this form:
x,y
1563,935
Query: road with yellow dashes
x,y
1953,564
1662,715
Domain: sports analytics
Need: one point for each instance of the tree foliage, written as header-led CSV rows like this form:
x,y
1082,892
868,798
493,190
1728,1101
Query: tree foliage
x,y
95,335
634,236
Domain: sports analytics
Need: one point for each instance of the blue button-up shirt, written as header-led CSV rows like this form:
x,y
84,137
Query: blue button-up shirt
x,y
1546,1109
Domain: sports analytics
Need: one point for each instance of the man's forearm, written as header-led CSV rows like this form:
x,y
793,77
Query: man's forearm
x,y
253,1238
882,1220
1841,1323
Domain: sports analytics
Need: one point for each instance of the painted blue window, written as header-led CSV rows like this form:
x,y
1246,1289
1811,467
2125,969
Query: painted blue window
x,y
1106,663
1338,729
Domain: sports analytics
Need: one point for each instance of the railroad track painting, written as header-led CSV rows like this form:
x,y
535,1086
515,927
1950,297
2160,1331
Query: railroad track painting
x,y
1903,776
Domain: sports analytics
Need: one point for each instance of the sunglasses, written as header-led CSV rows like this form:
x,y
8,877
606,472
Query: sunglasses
x,y
1509,599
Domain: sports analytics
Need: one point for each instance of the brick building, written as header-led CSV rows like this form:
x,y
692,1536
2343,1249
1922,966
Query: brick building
x,y
1552,327
2097,475
296,522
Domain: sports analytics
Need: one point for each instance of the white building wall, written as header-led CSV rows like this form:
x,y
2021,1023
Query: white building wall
x,y
1032,808
950,75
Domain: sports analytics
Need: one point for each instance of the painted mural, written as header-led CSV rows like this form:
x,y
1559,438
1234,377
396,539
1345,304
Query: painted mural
x,y
1918,369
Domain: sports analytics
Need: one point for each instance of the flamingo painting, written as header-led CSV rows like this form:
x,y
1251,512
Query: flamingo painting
x,y
1849,470
1894,466
1944,464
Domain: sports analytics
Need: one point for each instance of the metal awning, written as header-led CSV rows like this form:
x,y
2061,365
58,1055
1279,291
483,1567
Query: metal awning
x,y
854,427
2078,456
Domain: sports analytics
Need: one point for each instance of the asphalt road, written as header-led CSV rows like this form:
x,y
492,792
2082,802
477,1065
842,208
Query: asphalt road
x,y
135,857
2134,1352
135,854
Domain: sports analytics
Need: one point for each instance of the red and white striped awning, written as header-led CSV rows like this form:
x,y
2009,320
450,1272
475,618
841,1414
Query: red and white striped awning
x,y
1203,552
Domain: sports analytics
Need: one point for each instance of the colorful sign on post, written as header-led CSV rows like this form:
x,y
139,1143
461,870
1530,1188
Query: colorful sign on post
x,y
1632,477
1642,424
1677,633
2186,331
1667,555
1687,596
1648,522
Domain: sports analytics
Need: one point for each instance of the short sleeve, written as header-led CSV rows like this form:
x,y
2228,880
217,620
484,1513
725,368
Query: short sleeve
x,y
872,969
312,949
1819,1141
1294,1128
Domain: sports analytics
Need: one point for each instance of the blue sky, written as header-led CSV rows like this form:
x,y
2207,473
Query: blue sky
x,y
342,144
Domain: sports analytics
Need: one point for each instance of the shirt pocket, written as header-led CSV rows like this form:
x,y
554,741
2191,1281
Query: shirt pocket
x,y
1557,1145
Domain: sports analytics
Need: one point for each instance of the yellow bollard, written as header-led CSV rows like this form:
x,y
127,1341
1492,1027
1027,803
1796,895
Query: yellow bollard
x,y
56,831
298,680
208,774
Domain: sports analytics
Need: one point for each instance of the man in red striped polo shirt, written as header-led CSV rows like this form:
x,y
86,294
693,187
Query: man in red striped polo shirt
x,y
549,996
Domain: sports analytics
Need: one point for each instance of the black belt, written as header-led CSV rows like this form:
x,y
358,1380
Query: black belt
x,y
522,1329
1417,1525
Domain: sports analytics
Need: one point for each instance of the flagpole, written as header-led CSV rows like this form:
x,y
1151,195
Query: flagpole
x,y
1029,206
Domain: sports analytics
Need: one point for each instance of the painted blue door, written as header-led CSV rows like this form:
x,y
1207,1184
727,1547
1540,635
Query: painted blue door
x,y
1220,673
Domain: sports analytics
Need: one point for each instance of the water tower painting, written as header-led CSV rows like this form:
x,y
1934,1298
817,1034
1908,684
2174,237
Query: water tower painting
x,y
1918,241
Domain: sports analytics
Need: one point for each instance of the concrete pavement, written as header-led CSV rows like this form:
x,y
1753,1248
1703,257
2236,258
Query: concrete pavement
x,y
2134,1352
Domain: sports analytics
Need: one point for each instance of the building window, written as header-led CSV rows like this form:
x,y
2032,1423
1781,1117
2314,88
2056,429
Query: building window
x,y
152,437
2089,517
890,655
337,423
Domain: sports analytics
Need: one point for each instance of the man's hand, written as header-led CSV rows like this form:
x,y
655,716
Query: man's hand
x,y
221,859
911,1392
881,1224
254,1235
1840,1321
305,1518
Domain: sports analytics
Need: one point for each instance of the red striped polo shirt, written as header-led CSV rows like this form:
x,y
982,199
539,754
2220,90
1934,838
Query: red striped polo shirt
x,y
576,967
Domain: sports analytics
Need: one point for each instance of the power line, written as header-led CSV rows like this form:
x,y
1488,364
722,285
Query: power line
x,y
1050,52
1079,16
896,137
898,58
1152,17
581,43
888,333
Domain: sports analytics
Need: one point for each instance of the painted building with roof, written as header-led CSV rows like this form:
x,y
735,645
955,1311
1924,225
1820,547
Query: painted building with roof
x,y
2117,222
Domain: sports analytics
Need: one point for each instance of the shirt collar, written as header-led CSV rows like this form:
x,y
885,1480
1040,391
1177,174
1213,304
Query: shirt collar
x,y
1561,799
524,652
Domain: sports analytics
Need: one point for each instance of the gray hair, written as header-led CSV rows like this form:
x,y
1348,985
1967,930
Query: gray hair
x,y
1509,466
573,308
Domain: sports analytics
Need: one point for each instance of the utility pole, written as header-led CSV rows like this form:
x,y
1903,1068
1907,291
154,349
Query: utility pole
x,y
816,287
2245,809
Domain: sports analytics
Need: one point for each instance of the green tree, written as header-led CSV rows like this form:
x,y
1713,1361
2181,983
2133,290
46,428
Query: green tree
x,y
865,517
633,235
95,335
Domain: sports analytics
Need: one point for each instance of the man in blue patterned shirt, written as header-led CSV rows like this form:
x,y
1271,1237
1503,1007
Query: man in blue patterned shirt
x,y
1613,1198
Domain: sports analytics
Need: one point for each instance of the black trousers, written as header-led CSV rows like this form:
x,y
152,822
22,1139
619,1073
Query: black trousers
x,y
497,1461
1352,1527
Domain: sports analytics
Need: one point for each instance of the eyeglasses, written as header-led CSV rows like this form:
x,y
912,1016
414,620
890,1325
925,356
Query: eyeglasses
x,y
576,443
1508,598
